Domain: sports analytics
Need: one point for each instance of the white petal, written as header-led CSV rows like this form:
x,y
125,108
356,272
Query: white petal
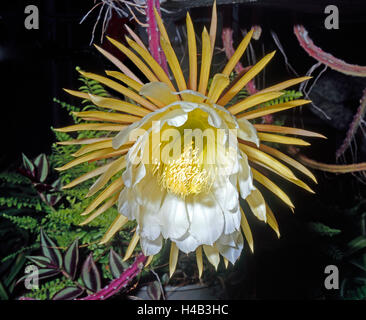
x,y
207,218
245,177
247,131
173,217
187,243
151,247
232,221
230,252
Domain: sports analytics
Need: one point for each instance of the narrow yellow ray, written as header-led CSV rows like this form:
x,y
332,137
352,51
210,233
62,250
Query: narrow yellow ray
x,y
272,109
238,53
106,116
206,58
92,126
156,68
283,85
161,26
148,261
81,141
118,64
88,157
86,176
285,158
117,225
271,220
173,63
213,27
262,157
252,101
226,262
135,59
119,105
199,261
108,204
250,74
192,53
112,154
219,83
118,87
246,230
114,187
272,187
269,137
93,146
287,130
115,167
212,255
173,258
125,79
136,37
134,240
295,180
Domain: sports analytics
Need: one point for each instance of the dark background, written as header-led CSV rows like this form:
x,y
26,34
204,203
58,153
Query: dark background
x,y
36,64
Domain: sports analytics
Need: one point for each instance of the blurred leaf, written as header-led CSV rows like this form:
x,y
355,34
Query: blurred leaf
x,y
40,261
50,250
3,294
90,274
17,266
41,164
42,274
68,293
154,290
71,258
115,264
28,165
356,244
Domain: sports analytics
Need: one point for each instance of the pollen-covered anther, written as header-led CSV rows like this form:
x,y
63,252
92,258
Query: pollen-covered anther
x,y
185,175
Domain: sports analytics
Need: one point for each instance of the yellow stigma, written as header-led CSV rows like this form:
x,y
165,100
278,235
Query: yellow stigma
x,y
185,175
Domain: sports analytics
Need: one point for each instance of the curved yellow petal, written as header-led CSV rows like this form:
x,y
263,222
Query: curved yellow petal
x,y
93,146
108,204
117,225
219,83
92,127
115,186
106,116
199,261
252,101
213,27
173,258
212,255
250,74
238,53
205,62
192,53
272,187
246,230
257,204
269,137
271,220
287,130
135,239
283,85
125,79
272,109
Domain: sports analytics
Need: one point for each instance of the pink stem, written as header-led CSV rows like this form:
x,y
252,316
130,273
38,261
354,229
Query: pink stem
x,y
116,285
154,34
354,126
326,58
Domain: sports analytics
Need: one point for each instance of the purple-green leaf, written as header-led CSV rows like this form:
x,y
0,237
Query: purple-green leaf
x,y
115,264
41,164
90,274
68,293
40,261
71,258
154,290
28,165
50,250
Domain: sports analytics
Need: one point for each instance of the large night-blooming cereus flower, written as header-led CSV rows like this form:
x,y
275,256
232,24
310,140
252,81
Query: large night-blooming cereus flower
x,y
186,152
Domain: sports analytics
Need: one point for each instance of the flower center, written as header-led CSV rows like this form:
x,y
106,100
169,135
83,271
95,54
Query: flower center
x,y
184,176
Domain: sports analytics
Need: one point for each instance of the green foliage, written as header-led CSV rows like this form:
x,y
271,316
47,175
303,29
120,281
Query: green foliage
x,y
288,95
323,230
